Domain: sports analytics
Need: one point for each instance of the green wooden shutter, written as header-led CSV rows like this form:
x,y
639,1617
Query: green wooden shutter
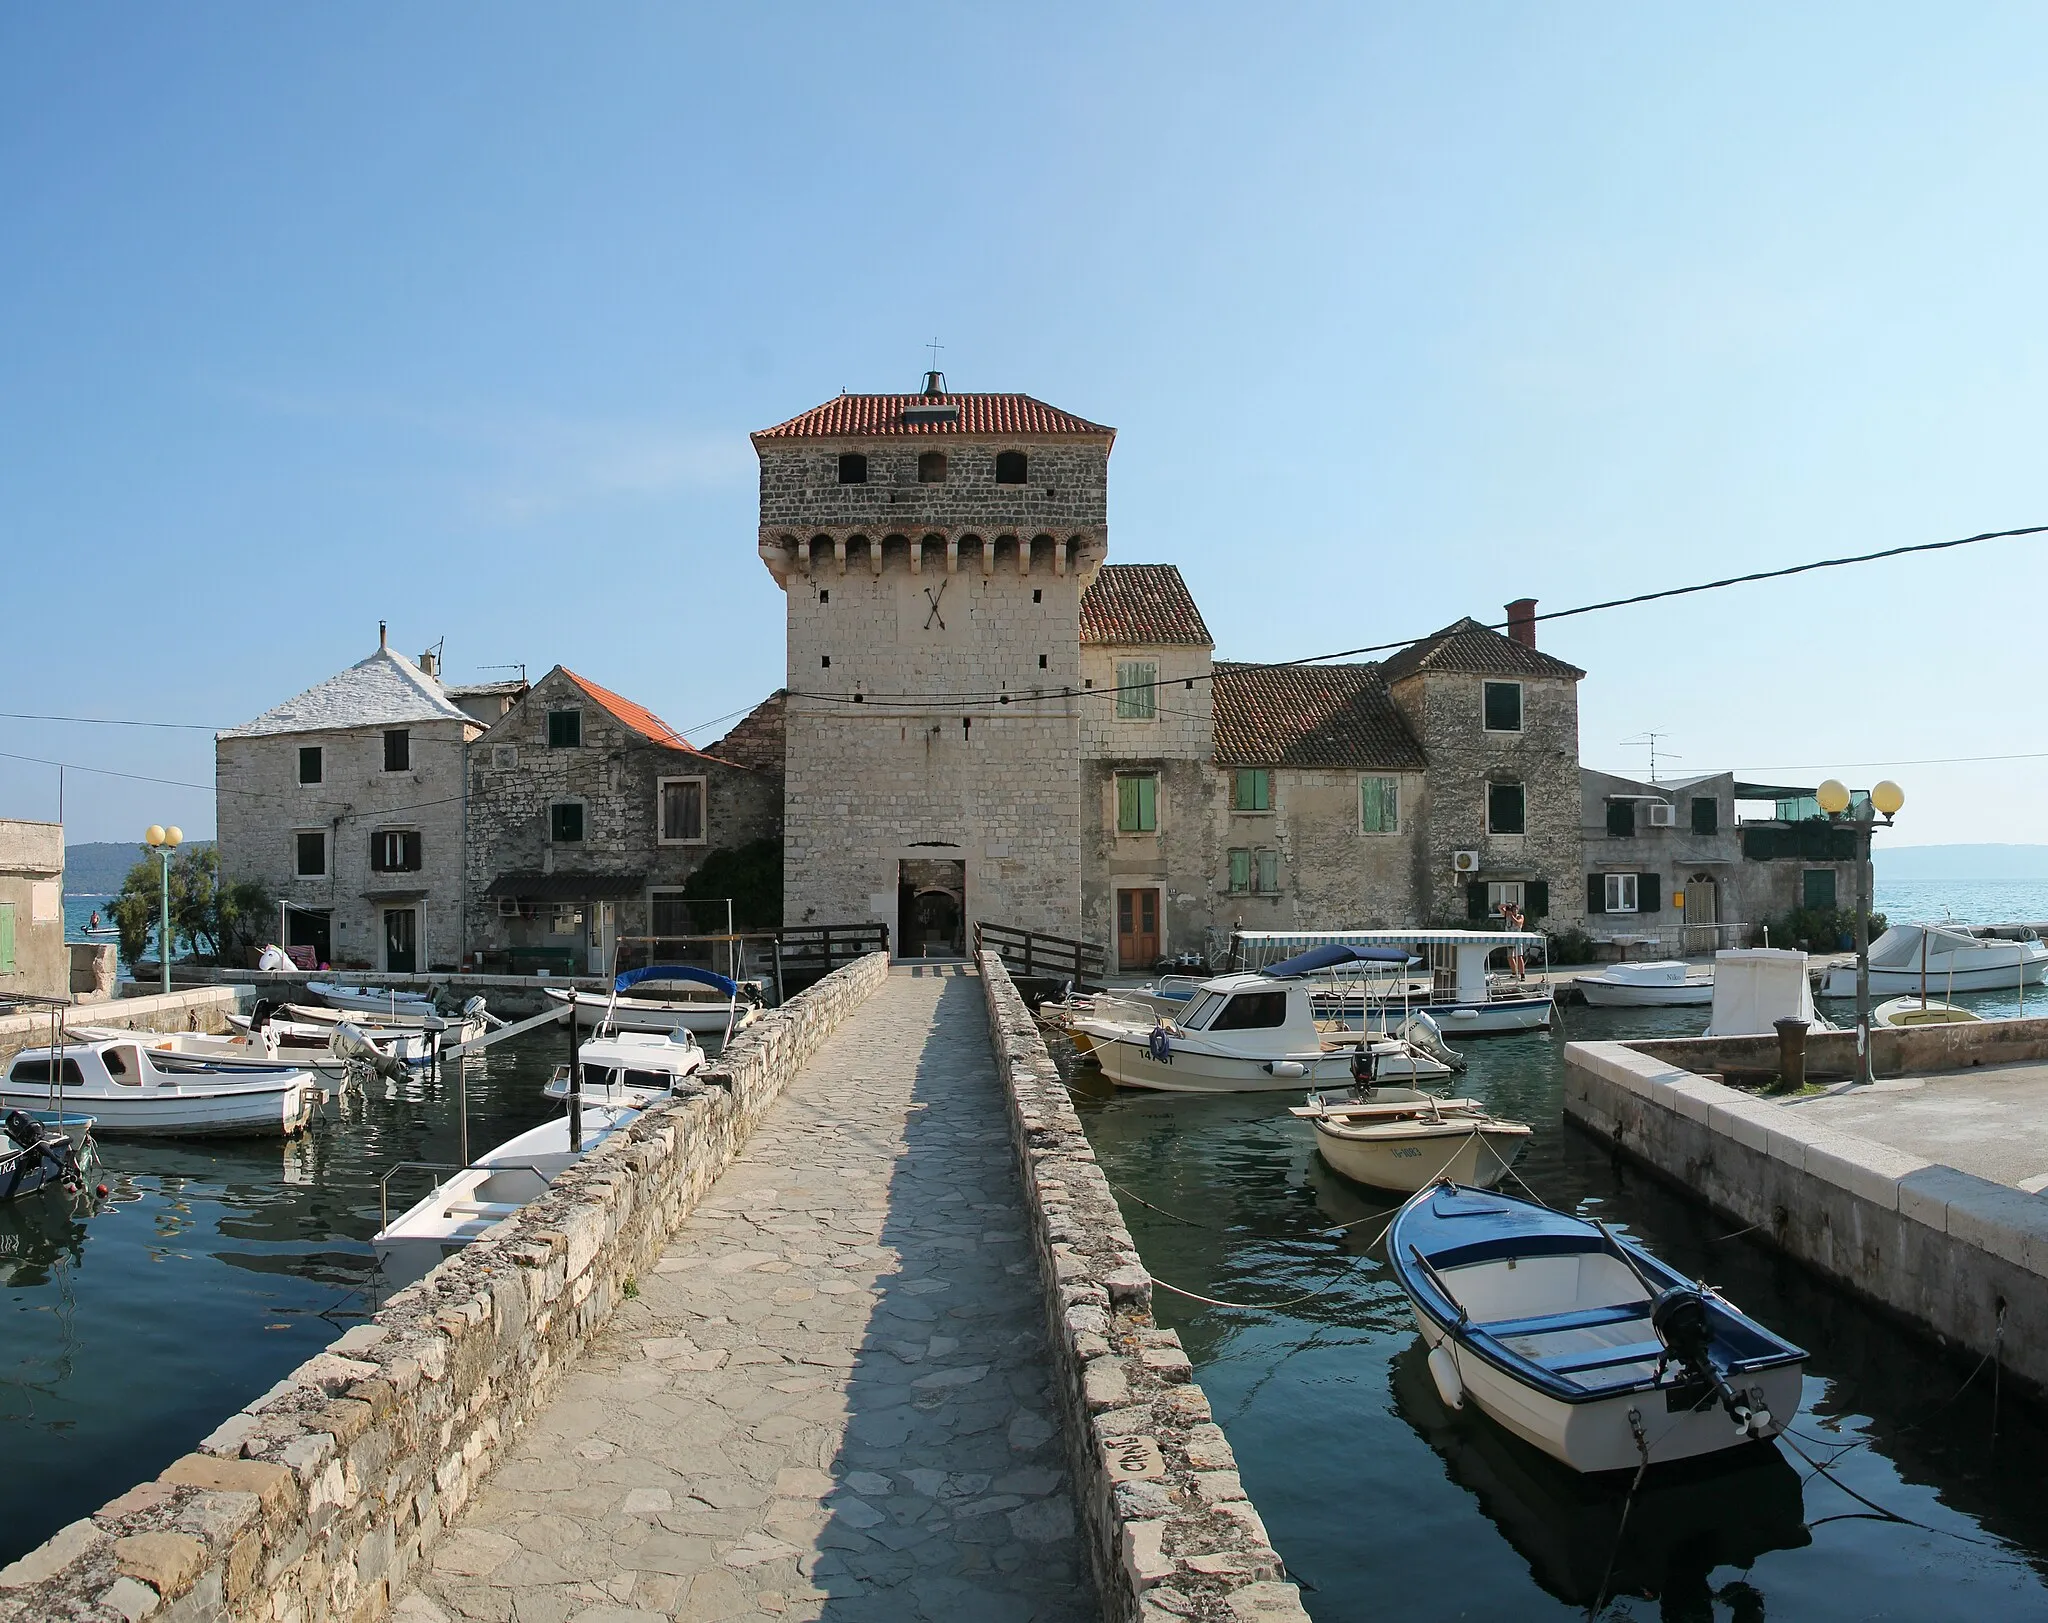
x,y
1819,888
1621,819
1706,815
6,938
1536,899
1596,893
1475,899
1649,892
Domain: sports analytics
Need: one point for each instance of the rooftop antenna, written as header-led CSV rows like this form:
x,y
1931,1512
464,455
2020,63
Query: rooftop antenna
x,y
520,668
1651,740
935,380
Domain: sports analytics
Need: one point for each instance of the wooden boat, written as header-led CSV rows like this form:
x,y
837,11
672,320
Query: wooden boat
x,y
1921,1011
1245,1034
472,1199
1406,1144
631,1067
664,996
1579,1342
41,1152
133,1091
1661,984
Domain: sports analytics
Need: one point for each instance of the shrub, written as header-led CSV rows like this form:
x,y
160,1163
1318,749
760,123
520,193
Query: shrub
x,y
1572,946
1820,929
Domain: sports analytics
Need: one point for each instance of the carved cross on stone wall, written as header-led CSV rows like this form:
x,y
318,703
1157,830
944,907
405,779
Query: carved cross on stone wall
x,y
933,597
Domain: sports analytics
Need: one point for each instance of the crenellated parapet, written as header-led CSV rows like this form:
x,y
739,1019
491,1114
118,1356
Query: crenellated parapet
x,y
817,552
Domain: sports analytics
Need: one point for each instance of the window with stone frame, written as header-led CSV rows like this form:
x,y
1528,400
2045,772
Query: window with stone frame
x,y
1266,872
682,810
1240,871
309,848
1507,809
1255,871
1251,789
853,469
1137,690
565,729
565,822
1012,467
398,750
395,850
1621,892
931,468
1503,707
1137,802
1379,805
312,763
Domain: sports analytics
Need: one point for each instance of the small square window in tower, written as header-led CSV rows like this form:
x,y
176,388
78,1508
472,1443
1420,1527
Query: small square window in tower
x,y
565,822
853,469
311,763
1503,707
1011,467
565,729
1506,809
931,468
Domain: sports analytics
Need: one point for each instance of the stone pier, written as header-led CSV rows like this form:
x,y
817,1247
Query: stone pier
x,y
831,1396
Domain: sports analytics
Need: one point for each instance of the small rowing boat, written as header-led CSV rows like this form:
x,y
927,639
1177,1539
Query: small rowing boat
x,y
1403,1144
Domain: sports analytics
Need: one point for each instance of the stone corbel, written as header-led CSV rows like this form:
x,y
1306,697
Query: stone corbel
x,y
839,552
1059,557
917,555
1023,556
875,546
952,555
988,555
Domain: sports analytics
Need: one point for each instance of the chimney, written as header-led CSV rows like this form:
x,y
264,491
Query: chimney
x,y
382,641
429,664
935,383
1522,621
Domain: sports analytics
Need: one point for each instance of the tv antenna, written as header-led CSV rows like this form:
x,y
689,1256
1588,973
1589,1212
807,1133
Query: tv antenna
x,y
1651,740
520,668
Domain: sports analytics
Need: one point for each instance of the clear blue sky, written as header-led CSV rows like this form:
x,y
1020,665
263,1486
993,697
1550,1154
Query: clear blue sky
x,y
458,316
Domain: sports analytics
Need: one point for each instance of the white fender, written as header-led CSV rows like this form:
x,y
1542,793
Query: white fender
x,y
1287,1067
1443,1369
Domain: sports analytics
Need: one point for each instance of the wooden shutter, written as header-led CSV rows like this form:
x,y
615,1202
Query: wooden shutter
x,y
1596,893
1649,892
1621,819
1475,899
1706,815
6,938
1536,899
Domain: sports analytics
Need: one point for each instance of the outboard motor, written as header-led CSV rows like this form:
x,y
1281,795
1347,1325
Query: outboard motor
x,y
1365,1068
24,1129
259,1016
349,1044
1679,1317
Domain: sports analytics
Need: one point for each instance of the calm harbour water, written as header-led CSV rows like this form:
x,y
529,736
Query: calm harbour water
x,y
1386,1505
214,1268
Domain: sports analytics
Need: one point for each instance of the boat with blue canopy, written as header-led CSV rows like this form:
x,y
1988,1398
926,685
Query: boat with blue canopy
x,y
1463,995
1579,1341
665,997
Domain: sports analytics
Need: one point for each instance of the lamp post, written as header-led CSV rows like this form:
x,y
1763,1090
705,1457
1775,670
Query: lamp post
x,y
1885,801
164,841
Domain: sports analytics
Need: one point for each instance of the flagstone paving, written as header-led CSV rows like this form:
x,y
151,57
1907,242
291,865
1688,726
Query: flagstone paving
x,y
831,1398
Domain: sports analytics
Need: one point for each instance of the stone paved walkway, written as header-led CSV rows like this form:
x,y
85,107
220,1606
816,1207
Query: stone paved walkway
x,y
830,1401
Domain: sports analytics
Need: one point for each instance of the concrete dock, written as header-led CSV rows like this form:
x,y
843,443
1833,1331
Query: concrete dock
x,y
831,1395
1992,1121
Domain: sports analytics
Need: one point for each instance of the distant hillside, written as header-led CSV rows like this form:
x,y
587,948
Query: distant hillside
x,y
97,867
1976,862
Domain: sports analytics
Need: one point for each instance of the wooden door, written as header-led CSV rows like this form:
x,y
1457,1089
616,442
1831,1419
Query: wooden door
x,y
401,941
1137,929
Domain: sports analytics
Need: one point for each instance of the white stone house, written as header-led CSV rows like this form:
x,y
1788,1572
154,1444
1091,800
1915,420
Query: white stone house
x,y
347,802
34,961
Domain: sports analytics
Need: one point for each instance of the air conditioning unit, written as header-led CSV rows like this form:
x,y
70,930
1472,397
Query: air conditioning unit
x,y
1662,813
508,907
1464,861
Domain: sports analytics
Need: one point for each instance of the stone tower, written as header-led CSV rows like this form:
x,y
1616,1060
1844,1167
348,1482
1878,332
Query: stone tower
x,y
933,549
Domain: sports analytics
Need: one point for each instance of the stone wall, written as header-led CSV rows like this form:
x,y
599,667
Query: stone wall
x,y
189,1008
1169,1527
261,806
1961,1257
316,1501
32,887
1066,486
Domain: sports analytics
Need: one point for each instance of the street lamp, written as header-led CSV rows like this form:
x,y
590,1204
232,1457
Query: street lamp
x,y
164,841
1885,801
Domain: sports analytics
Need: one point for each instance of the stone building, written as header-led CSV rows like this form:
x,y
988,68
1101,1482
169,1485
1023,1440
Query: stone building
x,y
932,549
347,803
1677,864
588,817
34,962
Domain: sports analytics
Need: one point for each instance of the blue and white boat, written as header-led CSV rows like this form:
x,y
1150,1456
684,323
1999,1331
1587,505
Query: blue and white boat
x,y
665,997
1462,995
42,1148
1580,1342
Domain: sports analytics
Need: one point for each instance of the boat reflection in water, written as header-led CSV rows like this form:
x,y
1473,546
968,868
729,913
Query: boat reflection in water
x,y
1688,1519
36,1236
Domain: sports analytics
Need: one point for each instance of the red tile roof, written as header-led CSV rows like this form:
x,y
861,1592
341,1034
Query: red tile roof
x,y
867,415
636,716
1310,716
1471,649
1143,604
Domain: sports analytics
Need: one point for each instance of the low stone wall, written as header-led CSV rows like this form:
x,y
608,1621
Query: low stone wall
x,y
316,1501
1956,1254
1894,1050
195,1008
1170,1530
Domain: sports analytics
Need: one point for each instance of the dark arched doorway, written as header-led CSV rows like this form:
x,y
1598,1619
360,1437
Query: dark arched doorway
x,y
931,910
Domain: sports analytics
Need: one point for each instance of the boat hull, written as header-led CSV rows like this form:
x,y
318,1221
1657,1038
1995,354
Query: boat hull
x,y
1617,995
1129,1063
1595,1435
704,1018
1910,1011
1477,1154
1840,980
241,1110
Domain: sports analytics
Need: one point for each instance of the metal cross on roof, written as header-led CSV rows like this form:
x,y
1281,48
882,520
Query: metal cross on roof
x,y
935,346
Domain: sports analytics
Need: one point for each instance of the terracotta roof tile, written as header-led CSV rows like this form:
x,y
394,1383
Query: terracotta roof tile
x,y
636,716
866,415
1143,604
758,741
1471,649
1310,716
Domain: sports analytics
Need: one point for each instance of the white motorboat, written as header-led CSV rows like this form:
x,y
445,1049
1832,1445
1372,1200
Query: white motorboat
x,y
1920,1011
420,1032
1462,997
1755,987
1663,983
471,1199
1407,1144
310,1042
1246,1034
664,996
389,1001
134,1091
1943,959
632,1067
1581,1342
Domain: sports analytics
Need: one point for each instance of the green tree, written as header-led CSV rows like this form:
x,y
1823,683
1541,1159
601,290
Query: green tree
x,y
751,875
206,920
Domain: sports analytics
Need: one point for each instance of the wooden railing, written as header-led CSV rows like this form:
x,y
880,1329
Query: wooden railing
x,y
1033,952
806,954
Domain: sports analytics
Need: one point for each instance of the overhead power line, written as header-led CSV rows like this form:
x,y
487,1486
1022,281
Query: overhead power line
x,y
110,721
